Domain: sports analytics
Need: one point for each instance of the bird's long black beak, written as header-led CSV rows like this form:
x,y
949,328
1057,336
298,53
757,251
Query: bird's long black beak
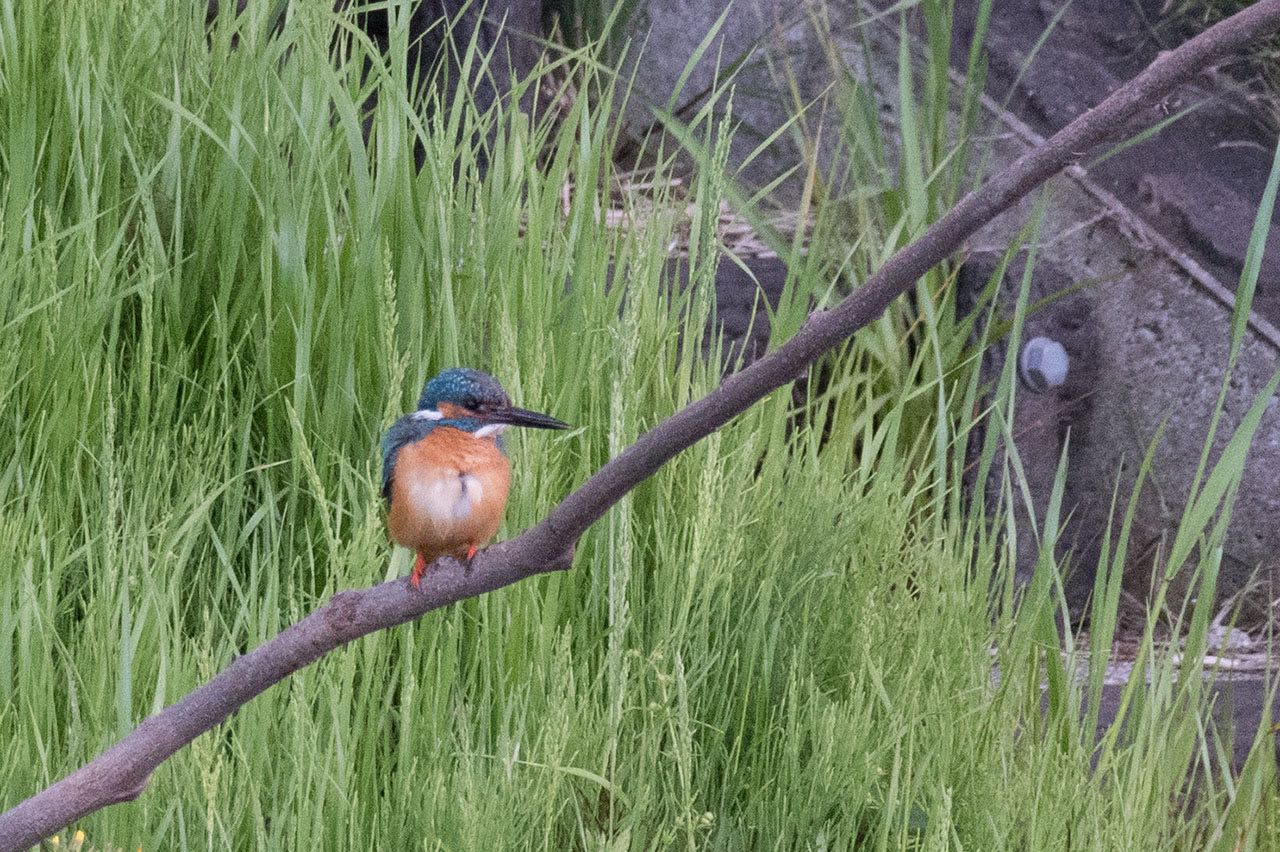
x,y
524,417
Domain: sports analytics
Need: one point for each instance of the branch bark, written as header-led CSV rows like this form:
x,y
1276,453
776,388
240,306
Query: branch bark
x,y
120,773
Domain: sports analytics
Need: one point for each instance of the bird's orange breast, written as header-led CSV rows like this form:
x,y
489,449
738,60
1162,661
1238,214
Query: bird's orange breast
x,y
448,493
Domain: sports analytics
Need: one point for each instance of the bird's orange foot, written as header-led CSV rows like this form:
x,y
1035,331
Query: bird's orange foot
x,y
419,568
471,554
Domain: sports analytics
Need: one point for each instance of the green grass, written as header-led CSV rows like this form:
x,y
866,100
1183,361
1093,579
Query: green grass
x,y
213,299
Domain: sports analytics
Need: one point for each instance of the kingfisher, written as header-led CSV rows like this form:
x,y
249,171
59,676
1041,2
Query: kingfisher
x,y
445,471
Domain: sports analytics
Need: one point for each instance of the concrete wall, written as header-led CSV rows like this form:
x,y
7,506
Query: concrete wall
x,y
1148,340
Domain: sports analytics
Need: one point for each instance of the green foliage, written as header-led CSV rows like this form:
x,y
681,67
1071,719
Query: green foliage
x,y
214,297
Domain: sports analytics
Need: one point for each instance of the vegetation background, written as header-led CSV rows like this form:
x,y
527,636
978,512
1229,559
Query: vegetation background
x,y
214,295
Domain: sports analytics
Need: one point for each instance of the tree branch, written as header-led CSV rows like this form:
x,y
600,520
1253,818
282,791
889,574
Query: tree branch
x,y
120,773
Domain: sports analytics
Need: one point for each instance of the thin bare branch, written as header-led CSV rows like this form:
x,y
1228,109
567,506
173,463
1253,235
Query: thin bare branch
x,y
120,773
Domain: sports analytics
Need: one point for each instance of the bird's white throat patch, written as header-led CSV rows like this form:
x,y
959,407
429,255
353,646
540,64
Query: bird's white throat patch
x,y
486,431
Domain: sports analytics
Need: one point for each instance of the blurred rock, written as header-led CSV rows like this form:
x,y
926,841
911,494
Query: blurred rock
x,y
1137,241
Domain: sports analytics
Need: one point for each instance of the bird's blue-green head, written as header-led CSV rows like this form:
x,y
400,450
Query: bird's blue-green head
x,y
473,400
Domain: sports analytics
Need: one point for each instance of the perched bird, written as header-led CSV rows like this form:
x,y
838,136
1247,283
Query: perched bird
x,y
445,472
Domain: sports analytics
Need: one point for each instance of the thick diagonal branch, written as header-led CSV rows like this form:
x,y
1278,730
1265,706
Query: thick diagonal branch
x,y
121,772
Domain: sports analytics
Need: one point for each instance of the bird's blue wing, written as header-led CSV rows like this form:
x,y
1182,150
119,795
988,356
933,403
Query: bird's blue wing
x,y
403,432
